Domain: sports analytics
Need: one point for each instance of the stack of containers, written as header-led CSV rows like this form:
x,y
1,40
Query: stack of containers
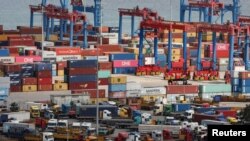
x,y
103,81
133,93
152,93
123,63
207,92
235,77
29,82
44,76
81,74
244,82
4,88
58,80
117,88
14,72
175,91
64,53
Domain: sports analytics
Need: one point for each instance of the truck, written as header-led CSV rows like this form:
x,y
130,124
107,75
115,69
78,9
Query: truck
x,y
89,111
35,108
206,122
20,116
206,109
142,128
44,136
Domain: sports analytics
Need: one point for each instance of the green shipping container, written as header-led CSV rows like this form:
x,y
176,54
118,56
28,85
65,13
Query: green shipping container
x,y
218,88
104,73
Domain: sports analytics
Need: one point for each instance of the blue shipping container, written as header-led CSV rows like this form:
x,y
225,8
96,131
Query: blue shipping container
x,y
4,91
43,66
4,52
15,82
82,63
193,53
244,82
162,57
124,70
235,81
81,78
104,73
54,73
203,109
122,56
180,107
27,67
235,88
244,89
117,88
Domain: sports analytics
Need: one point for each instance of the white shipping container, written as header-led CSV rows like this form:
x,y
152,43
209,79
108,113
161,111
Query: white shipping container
x,y
20,116
172,98
46,54
113,41
149,61
58,78
223,61
48,44
239,68
7,60
4,79
100,58
106,88
234,104
110,35
235,74
68,57
160,51
66,99
153,91
133,93
130,86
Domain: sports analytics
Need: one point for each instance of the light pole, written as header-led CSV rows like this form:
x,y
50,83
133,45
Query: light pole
x,y
171,18
42,33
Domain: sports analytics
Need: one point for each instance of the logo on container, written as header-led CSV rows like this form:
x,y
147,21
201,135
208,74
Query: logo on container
x,y
126,63
222,47
28,60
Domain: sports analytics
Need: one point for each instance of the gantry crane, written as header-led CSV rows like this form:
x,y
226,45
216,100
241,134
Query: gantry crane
x,y
135,12
209,9
96,9
176,70
207,70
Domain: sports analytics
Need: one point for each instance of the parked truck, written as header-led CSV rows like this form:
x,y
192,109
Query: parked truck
x,y
44,136
149,128
20,116
197,117
206,109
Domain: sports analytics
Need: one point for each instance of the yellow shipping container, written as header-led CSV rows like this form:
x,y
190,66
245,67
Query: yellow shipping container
x,y
151,97
52,37
1,73
175,58
60,87
176,51
118,79
60,72
93,100
191,34
59,81
3,37
29,88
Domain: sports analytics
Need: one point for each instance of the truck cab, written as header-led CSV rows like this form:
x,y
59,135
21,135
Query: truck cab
x,y
133,136
34,111
146,118
62,123
171,121
52,124
189,114
106,114
48,136
157,135
158,109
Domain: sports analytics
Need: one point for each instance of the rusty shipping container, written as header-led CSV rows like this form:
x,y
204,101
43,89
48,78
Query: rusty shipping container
x,y
44,81
17,88
103,81
44,74
91,92
12,68
105,65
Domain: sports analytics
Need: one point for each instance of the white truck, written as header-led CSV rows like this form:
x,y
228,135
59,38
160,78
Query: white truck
x,y
133,136
8,125
157,135
54,123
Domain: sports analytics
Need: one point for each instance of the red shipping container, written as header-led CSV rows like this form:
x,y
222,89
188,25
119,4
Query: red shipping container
x,y
91,52
44,81
182,89
12,68
61,65
244,75
28,59
17,88
80,71
29,30
91,92
29,81
125,63
44,74
110,48
105,66
103,81
85,85
117,94
227,113
45,87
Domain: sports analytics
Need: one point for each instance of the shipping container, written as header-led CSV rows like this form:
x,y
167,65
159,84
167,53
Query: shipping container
x,y
81,71
81,78
181,107
90,110
91,92
44,81
243,89
121,56
46,54
125,63
104,73
244,82
67,99
118,79
103,81
117,87
124,70
46,87
4,52
4,91
12,68
104,65
153,90
117,95
44,74
65,50
227,113
17,88
100,58
60,87
199,117
82,63
43,66
244,75
218,88
7,60
68,57
20,116
28,59
82,85
29,88
61,65
182,89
